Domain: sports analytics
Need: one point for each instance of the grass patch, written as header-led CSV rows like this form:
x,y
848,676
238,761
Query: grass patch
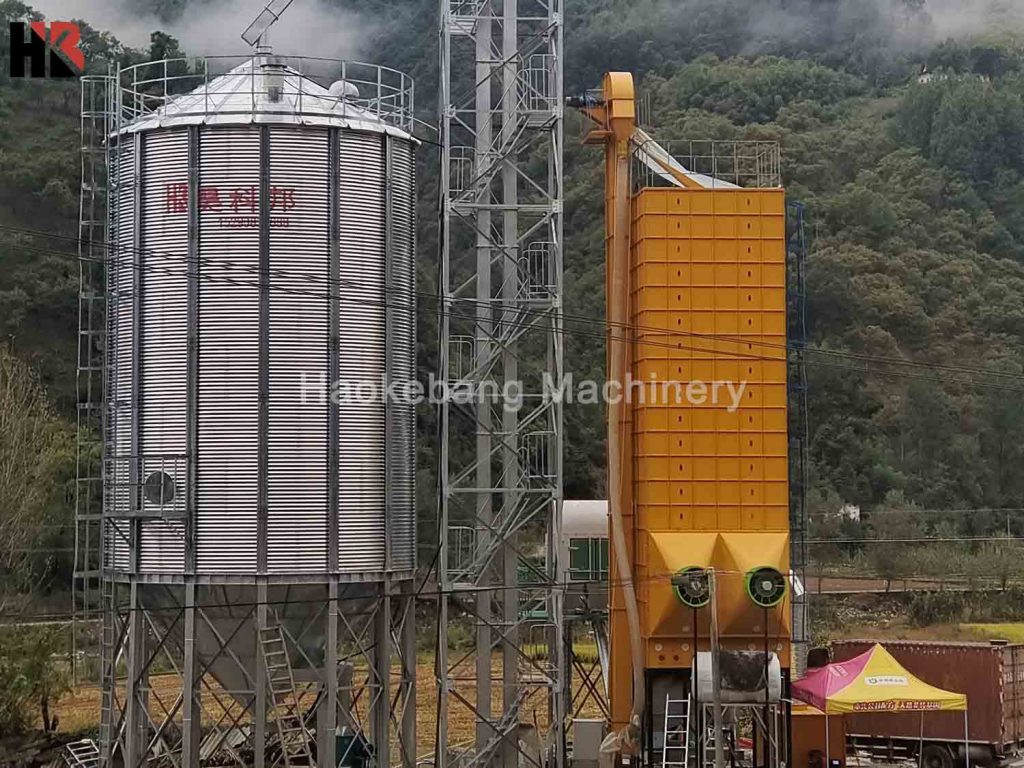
x,y
1014,632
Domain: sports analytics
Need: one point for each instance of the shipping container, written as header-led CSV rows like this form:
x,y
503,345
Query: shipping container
x,y
992,676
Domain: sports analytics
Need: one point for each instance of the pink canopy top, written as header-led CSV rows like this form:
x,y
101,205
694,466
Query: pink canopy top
x,y
872,682
823,683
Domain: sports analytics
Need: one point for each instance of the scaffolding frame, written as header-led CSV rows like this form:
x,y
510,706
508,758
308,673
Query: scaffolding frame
x,y
796,281
500,468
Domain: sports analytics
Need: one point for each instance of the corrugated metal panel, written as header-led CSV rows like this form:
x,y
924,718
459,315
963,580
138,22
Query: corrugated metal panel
x,y
228,351
297,439
976,669
401,431
164,338
121,278
1013,693
362,348
225,517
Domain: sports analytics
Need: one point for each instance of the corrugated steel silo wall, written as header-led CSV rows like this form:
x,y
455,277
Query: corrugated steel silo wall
x,y
163,307
298,338
229,307
120,347
361,331
376,344
401,427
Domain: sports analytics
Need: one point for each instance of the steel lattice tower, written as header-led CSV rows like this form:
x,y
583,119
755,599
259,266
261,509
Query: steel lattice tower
x,y
500,467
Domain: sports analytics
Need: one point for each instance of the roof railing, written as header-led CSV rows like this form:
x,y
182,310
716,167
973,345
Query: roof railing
x,y
382,92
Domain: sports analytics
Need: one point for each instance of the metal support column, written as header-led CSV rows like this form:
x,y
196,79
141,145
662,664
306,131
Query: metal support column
x,y
192,710
380,688
407,647
259,726
137,672
500,468
331,672
798,428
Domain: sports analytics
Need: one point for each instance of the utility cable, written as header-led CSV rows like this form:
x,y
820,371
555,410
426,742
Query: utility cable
x,y
499,306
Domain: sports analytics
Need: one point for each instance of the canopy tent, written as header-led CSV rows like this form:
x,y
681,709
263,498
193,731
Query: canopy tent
x,y
874,682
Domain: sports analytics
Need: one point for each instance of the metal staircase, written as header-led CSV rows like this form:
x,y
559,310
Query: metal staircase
x,y
284,701
675,748
82,754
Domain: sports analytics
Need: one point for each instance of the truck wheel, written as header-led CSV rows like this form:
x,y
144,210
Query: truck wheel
x,y
936,756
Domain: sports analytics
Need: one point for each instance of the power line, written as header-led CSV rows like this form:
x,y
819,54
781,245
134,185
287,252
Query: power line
x,y
918,540
863,540
924,579
523,587
877,513
601,336
498,305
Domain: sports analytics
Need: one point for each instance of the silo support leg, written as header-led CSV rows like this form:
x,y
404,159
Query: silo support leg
x,y
136,673
191,707
407,633
382,674
331,674
259,715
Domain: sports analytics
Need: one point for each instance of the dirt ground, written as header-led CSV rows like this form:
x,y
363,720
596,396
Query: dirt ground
x,y
79,710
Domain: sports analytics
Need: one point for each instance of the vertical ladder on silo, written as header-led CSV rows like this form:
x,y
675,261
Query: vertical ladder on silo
x,y
675,747
284,701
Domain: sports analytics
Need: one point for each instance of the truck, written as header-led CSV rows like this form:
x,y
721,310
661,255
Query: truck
x,y
992,676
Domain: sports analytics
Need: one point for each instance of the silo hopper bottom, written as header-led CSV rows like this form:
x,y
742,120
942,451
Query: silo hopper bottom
x,y
226,636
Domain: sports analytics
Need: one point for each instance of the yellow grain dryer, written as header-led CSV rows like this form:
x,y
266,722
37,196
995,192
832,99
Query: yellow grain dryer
x,y
697,446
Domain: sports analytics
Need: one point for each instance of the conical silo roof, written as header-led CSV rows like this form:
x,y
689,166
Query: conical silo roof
x,y
265,90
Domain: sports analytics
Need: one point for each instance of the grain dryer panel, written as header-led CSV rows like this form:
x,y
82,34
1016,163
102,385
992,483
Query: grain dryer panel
x,y
710,473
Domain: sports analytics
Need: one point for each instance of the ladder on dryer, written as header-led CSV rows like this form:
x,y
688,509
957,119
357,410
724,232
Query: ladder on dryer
x,y
284,700
675,747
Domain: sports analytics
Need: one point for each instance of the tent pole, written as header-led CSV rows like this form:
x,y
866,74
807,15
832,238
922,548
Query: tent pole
x,y
920,744
828,758
967,742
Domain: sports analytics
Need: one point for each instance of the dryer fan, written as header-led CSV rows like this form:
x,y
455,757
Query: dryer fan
x,y
766,587
692,586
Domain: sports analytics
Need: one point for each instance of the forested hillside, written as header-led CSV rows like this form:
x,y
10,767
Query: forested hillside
x,y
914,191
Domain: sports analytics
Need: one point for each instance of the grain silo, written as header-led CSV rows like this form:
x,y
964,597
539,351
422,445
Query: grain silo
x,y
258,524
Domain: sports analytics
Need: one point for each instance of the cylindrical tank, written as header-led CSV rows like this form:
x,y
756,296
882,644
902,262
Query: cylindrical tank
x,y
261,341
746,677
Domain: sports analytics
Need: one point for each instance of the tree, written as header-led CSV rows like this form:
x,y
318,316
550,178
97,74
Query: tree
x,y
35,449
32,676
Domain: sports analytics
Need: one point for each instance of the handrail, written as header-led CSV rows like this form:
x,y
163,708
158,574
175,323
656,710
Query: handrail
x,y
383,92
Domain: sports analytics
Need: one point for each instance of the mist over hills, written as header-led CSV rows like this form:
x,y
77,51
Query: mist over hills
x,y
914,194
